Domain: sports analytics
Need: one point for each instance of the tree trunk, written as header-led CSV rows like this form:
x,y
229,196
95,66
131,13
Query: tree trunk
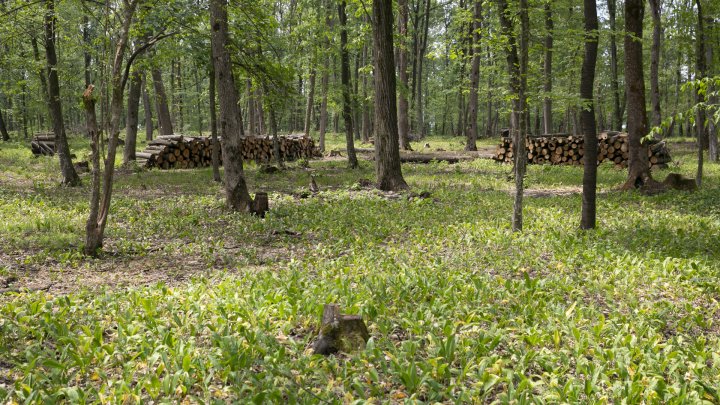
x,y
472,127
547,70
180,93
587,116
70,177
701,73
345,78
149,127
3,129
132,117
251,108
198,94
366,106
213,124
403,111
161,102
638,167
231,128
323,106
713,98
387,147
655,9
614,83
419,59
310,103
100,203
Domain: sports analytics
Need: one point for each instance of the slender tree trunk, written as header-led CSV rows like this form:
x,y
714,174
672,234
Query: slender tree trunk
x,y
147,107
252,120
419,59
639,167
366,106
133,109
231,127
199,100
3,129
87,45
587,116
655,8
713,98
614,82
213,125
323,107
403,110
345,77
701,69
180,93
259,112
70,177
100,203
356,98
472,128
310,103
161,101
387,147
547,69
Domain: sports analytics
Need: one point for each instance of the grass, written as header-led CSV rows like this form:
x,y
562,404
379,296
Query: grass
x,y
460,308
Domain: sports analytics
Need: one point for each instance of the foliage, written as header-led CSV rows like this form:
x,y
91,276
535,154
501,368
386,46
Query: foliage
x,y
460,308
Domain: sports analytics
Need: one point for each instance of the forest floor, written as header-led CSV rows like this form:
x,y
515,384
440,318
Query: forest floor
x,y
191,302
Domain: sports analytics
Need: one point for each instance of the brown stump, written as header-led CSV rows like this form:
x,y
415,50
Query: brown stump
x,y
260,205
340,333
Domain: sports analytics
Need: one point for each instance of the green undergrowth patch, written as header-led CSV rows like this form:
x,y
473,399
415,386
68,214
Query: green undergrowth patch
x,y
460,309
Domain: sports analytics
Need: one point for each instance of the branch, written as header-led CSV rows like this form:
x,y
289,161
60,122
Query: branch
x,y
140,50
18,8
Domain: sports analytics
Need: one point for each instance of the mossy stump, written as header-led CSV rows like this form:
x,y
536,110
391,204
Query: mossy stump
x,y
340,333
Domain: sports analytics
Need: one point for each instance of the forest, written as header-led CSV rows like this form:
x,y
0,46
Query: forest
x,y
359,201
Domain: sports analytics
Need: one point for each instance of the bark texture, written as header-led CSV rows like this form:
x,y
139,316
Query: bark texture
x,y
472,126
161,104
403,105
345,79
387,147
231,129
655,63
614,82
547,70
587,116
133,108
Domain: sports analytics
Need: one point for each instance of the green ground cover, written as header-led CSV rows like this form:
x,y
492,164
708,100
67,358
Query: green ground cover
x,y
460,309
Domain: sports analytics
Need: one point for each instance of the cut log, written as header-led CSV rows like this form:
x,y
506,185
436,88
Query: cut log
x,y
340,333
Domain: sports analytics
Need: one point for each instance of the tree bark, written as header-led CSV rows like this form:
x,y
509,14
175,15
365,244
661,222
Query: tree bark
x,y
387,147
213,125
472,127
617,114
366,106
251,108
133,109
345,78
323,107
547,69
310,103
713,98
161,102
4,135
587,116
638,166
231,128
100,203
655,9
149,127
701,73
70,177
403,110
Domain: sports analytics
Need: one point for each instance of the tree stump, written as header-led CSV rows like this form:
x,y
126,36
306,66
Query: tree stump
x,y
340,333
260,205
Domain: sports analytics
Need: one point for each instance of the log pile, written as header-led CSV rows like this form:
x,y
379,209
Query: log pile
x,y
187,152
568,150
43,144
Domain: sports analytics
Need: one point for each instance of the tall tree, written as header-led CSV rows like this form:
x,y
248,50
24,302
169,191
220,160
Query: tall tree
x,y
213,125
310,102
231,129
587,115
701,72
475,51
547,69
614,82
387,146
70,177
161,103
655,9
133,109
148,110
3,129
638,167
345,78
402,57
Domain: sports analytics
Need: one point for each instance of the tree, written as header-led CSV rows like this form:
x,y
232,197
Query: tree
x,y
161,103
402,57
345,77
547,67
231,128
614,85
587,115
655,6
100,202
133,110
472,126
701,72
70,177
638,165
387,147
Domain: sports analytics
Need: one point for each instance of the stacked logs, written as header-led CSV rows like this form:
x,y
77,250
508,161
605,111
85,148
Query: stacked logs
x,y
568,150
43,144
186,152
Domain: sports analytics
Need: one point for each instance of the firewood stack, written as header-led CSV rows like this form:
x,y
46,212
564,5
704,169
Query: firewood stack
x,y
43,144
568,150
187,152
